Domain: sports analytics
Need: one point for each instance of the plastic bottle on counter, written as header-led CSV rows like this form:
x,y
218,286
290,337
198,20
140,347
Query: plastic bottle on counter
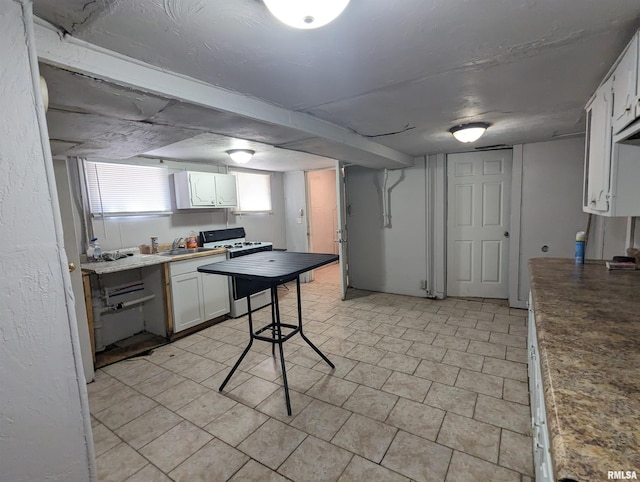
x,y
580,239
90,250
94,253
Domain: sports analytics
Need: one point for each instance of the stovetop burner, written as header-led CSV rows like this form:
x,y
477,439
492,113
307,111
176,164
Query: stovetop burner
x,y
232,239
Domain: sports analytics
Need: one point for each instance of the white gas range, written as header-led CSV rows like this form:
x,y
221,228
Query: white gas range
x,y
234,240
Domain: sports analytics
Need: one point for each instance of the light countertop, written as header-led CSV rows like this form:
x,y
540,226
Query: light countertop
x,y
142,260
588,326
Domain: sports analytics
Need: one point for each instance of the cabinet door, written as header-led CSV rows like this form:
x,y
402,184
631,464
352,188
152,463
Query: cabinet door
x,y
186,295
202,188
625,80
637,98
598,151
226,193
215,293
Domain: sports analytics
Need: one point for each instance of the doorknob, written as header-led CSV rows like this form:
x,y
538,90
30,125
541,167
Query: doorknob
x,y
506,234
72,267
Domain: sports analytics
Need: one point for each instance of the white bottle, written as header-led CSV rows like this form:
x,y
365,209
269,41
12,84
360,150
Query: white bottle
x,y
93,251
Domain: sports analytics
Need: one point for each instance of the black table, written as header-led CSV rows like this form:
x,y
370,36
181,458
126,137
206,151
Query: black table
x,y
272,268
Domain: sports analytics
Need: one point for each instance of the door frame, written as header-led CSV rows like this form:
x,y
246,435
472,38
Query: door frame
x,y
342,234
437,220
515,230
436,210
308,202
478,231
341,205
62,171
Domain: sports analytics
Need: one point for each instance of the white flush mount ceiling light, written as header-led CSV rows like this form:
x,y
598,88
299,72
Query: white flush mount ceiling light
x,y
241,156
306,14
469,132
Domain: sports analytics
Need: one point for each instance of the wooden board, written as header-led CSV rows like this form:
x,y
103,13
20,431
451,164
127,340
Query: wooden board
x,y
86,283
162,247
167,297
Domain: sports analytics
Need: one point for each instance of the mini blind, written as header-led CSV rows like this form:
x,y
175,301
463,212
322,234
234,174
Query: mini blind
x,y
127,190
254,191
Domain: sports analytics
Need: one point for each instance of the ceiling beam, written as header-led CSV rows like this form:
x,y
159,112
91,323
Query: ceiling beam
x,y
75,55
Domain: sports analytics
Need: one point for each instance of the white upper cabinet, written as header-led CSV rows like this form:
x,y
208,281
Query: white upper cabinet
x,y
196,190
598,151
611,168
636,39
226,192
202,189
626,87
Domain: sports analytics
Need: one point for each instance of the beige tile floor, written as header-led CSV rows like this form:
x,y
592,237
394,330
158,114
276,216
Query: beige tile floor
x,y
423,390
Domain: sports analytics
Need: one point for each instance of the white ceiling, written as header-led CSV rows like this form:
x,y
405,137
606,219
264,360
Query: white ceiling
x,y
397,74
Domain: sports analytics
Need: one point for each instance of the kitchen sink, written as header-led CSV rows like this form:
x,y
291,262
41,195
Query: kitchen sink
x,y
181,251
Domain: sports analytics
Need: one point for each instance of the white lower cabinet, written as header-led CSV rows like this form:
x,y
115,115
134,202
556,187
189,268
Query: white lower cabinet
x,y
215,290
197,297
186,297
541,455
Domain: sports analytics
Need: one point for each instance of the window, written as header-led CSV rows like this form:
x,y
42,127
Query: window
x,y
254,191
126,190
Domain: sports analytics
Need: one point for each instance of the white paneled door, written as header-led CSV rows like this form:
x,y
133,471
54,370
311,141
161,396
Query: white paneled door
x,y
479,188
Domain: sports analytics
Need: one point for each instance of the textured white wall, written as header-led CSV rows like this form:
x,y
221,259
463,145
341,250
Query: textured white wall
x,y
394,260
126,232
551,214
391,260
42,434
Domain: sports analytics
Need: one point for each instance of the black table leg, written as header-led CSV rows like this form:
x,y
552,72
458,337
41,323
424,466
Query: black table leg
x,y
300,325
276,338
246,350
276,309
274,299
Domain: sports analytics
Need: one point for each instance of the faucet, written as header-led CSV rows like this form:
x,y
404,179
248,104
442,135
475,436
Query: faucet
x,y
176,243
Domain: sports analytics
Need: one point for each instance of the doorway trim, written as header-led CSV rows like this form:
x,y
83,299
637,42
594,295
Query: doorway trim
x,y
310,214
436,210
515,230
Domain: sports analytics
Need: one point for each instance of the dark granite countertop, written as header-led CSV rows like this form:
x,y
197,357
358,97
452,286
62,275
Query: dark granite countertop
x,y
588,325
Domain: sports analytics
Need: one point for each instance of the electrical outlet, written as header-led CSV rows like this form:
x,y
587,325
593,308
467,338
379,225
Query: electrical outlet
x,y
423,284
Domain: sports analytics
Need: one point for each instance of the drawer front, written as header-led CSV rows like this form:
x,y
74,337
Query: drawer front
x,y
190,265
